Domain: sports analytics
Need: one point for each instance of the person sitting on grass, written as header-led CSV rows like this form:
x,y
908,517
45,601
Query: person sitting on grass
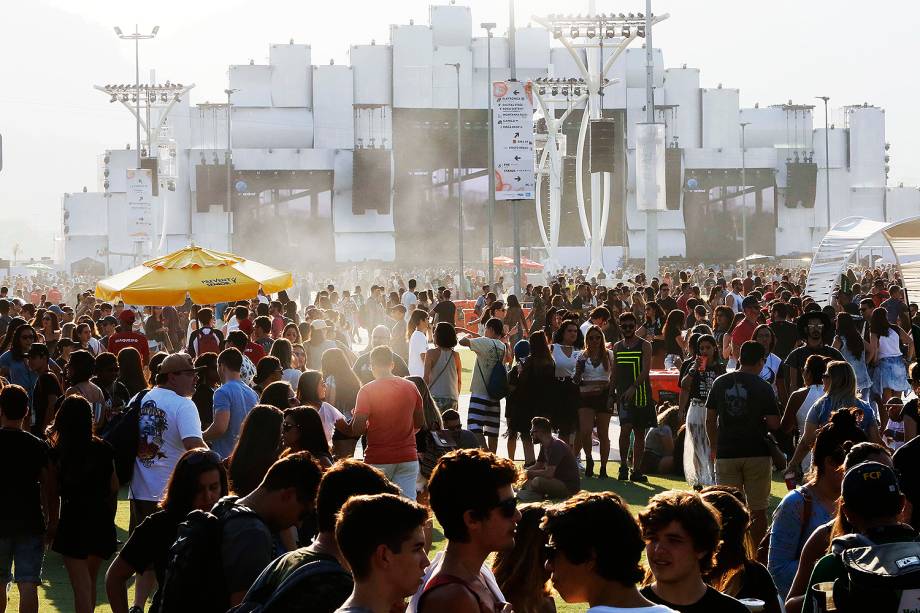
x,y
555,474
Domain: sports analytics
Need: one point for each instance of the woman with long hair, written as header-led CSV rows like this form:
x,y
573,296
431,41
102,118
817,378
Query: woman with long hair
x,y
417,339
592,375
48,326
674,343
284,351
514,320
257,448
80,369
839,393
292,333
715,299
565,357
818,496
534,396
302,430
83,336
801,400
84,531
736,572
280,395
311,392
890,374
173,329
652,330
131,371
342,385
197,482
521,571
737,318
551,323
423,439
765,335
638,305
849,342
443,369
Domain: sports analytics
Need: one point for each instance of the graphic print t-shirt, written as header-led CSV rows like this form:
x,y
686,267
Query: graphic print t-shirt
x,y
165,419
742,400
628,361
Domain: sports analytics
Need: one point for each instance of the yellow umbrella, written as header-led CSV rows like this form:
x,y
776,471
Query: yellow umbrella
x,y
205,275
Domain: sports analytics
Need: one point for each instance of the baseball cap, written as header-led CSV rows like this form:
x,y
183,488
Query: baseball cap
x,y
126,317
750,303
870,486
177,362
56,309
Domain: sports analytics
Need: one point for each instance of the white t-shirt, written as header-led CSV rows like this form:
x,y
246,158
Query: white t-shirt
x,y
658,608
166,418
329,414
408,300
418,345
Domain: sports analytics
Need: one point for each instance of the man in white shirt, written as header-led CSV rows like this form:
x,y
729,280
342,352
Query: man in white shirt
x,y
409,299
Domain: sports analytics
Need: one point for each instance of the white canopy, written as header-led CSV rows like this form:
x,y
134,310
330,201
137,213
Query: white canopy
x,y
847,235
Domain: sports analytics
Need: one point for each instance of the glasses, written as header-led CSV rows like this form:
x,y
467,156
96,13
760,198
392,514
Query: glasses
x,y
507,507
815,326
286,426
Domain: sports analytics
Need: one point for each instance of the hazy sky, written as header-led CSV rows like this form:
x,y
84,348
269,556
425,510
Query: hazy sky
x,y
52,51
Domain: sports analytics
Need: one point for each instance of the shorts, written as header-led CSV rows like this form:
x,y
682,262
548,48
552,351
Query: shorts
x,y
24,554
639,417
404,475
484,416
753,476
596,402
140,509
890,373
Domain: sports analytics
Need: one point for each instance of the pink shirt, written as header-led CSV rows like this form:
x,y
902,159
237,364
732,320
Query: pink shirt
x,y
389,405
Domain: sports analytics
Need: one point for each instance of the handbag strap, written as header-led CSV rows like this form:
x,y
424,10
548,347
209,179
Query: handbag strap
x,y
450,359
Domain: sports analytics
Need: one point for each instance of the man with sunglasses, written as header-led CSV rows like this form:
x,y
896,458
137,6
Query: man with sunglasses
x,y
630,392
472,496
811,329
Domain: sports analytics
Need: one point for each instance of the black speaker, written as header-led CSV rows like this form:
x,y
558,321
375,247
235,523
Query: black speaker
x,y
372,177
151,165
801,183
603,145
673,177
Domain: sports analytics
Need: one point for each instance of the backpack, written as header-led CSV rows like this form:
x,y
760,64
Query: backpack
x,y
207,342
258,601
123,434
195,578
879,578
497,383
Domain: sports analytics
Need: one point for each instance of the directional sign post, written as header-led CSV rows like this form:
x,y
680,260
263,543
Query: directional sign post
x,y
513,130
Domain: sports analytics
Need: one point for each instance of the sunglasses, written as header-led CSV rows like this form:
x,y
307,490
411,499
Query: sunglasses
x,y
507,507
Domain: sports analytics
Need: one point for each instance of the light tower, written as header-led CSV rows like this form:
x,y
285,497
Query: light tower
x,y
594,32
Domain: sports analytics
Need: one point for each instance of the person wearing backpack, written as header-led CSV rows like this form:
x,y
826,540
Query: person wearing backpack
x,y
383,539
485,395
872,503
315,579
218,555
389,410
205,339
168,425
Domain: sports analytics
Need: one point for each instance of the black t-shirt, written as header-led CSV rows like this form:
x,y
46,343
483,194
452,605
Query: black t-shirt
x,y
796,359
711,602
741,400
46,386
757,583
668,304
148,547
787,334
446,311
22,457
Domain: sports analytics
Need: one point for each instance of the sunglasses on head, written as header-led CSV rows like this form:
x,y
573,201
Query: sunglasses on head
x,y
507,507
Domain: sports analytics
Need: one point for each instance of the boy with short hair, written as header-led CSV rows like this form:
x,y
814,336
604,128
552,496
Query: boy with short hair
x,y
383,539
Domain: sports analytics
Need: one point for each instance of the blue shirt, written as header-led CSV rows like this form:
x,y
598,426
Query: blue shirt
x,y
820,413
237,398
20,373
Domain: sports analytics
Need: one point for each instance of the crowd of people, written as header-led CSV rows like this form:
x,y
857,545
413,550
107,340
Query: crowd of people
x,y
285,455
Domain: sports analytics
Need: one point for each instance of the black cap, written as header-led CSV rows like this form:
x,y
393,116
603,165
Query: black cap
x,y
39,350
870,487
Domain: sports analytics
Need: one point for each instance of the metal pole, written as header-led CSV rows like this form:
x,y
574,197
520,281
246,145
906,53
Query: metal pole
x,y
744,249
515,221
651,217
488,27
459,183
827,163
228,159
137,88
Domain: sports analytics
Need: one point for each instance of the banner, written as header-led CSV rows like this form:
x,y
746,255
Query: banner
x,y
140,204
512,129
650,167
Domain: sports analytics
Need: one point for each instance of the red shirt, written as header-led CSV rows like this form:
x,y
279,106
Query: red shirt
x,y
254,352
120,340
389,405
277,326
744,331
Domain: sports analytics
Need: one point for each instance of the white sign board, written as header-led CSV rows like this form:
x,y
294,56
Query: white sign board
x,y
140,204
650,181
512,127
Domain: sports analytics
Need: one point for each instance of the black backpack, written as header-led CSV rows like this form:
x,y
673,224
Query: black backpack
x,y
123,434
258,601
195,578
879,578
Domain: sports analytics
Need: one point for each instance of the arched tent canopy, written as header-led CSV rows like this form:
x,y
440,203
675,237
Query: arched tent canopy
x,y
848,235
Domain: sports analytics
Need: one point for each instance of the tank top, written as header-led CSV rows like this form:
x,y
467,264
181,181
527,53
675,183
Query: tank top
x,y
596,373
565,365
889,346
444,376
859,365
628,362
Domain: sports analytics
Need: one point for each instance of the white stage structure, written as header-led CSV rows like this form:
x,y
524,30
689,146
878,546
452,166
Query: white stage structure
x,y
583,38
844,239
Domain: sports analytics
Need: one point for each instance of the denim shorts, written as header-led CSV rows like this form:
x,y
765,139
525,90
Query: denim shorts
x,y
25,554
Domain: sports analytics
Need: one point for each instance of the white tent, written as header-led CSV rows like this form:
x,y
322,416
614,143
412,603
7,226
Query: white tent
x,y
849,234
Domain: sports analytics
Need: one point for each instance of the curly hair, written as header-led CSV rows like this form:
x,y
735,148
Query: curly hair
x,y
699,518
